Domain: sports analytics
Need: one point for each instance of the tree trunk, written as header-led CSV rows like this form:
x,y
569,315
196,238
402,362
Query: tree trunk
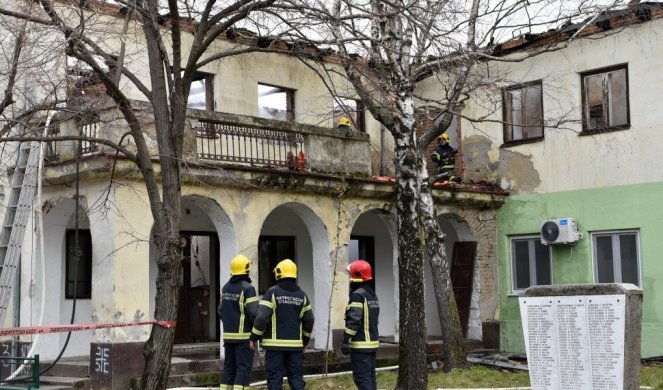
x,y
159,346
452,334
412,374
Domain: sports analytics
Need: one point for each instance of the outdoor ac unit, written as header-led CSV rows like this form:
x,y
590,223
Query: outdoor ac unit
x,y
559,231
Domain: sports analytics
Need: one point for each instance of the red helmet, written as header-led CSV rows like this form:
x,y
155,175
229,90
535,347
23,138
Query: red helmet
x,y
360,271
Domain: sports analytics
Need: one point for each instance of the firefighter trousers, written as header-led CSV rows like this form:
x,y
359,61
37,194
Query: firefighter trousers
x,y
363,369
237,364
284,363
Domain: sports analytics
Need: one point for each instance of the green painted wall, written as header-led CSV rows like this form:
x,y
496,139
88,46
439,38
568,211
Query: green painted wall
x,y
613,208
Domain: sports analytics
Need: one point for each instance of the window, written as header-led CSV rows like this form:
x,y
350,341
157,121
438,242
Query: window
x,y
276,103
530,263
201,94
363,247
616,257
89,126
271,250
523,113
605,103
351,108
79,275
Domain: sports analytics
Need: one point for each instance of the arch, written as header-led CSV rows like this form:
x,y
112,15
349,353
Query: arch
x,y
457,230
203,218
58,218
380,227
311,246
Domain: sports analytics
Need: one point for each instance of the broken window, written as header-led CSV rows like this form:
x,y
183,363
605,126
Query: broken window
x,y
605,103
616,257
530,263
351,109
523,112
201,94
276,102
78,264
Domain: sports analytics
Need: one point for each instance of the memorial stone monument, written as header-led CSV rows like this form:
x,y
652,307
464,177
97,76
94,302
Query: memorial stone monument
x,y
583,337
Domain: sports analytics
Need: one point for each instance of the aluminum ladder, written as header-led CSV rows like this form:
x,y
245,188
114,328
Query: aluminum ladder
x,y
17,214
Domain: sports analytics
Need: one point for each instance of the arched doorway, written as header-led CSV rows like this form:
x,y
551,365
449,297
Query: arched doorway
x,y
294,231
210,242
373,239
460,245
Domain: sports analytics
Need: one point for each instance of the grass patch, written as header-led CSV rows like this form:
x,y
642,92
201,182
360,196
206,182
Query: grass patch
x,y
475,376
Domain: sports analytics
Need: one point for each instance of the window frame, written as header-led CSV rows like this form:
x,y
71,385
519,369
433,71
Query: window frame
x,y
616,270
208,78
593,72
360,111
69,239
506,126
532,273
290,101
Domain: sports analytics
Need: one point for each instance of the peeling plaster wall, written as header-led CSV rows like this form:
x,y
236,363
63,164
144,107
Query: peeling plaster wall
x,y
124,270
565,161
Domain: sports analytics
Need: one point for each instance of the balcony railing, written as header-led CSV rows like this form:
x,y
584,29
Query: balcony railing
x,y
250,145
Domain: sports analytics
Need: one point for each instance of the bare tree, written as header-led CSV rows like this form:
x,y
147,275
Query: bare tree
x,y
176,36
387,49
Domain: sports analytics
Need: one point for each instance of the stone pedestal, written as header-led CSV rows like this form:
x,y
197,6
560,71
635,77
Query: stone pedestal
x,y
583,336
113,365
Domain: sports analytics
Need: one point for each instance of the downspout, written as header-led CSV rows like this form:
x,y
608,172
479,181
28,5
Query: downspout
x,y
382,130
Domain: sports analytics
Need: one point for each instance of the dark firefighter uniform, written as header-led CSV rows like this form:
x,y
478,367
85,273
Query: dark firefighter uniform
x,y
361,328
284,323
445,158
237,310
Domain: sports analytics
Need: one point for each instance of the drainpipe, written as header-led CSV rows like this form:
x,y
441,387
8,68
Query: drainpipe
x,y
382,130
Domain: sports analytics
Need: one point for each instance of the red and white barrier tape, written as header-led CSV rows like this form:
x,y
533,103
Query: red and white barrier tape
x,y
20,331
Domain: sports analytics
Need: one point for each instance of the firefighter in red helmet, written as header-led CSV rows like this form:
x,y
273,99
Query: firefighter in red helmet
x,y
361,339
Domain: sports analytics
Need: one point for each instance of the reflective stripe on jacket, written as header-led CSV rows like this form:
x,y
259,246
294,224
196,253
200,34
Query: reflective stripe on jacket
x,y
285,319
361,319
237,309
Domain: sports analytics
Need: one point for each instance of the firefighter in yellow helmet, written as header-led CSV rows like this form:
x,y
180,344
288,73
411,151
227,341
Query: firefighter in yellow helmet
x,y
284,323
445,158
361,338
237,310
344,125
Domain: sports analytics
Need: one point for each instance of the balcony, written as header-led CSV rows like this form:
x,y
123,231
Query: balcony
x,y
214,139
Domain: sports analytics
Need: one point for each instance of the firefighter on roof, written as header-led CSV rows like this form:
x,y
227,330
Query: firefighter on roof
x,y
237,310
284,323
361,339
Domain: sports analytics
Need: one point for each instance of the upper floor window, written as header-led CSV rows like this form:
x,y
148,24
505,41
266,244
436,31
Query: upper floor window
x,y
276,102
78,264
530,262
201,94
616,257
89,126
351,109
605,103
523,112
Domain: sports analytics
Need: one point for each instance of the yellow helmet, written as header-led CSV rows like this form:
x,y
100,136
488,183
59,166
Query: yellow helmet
x,y
344,121
240,265
444,136
285,269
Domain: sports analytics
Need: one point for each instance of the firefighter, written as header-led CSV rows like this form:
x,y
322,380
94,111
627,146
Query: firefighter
x,y
284,323
445,158
344,125
361,339
237,310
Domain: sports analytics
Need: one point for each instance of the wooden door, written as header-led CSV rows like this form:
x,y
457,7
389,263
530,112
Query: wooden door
x,y
462,274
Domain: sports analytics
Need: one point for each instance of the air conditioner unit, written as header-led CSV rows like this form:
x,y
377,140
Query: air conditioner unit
x,y
559,231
